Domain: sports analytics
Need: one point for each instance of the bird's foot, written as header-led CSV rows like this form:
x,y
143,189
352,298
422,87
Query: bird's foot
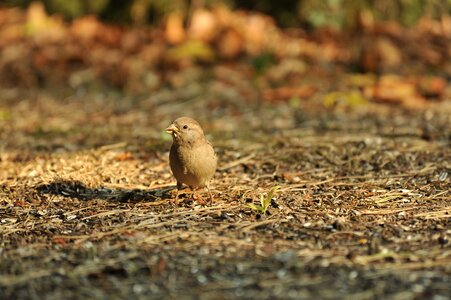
x,y
198,197
180,193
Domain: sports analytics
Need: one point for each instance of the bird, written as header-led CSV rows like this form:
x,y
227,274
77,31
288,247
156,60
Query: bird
x,y
192,158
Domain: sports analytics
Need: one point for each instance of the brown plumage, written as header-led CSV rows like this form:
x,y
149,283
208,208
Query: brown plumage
x,y
192,158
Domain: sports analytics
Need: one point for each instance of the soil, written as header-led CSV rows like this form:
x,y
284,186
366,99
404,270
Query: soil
x,y
86,199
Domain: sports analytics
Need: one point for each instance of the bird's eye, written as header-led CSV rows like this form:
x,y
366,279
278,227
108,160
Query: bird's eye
x,y
185,126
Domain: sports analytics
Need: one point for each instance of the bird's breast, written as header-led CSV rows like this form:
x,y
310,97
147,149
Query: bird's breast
x,y
193,166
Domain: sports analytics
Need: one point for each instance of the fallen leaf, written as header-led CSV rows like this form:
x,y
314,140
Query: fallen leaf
x,y
194,50
203,26
124,156
230,44
174,30
60,241
433,87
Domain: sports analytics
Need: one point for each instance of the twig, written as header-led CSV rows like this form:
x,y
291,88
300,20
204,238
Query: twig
x,y
385,211
236,162
258,224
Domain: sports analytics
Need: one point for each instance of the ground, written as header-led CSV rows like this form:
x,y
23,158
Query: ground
x,y
87,211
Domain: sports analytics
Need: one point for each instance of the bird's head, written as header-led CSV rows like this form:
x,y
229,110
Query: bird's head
x,y
185,131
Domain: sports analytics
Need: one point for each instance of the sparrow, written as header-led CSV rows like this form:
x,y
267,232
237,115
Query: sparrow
x,y
192,158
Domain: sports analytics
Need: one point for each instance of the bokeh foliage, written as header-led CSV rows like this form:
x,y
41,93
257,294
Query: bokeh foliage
x,y
311,13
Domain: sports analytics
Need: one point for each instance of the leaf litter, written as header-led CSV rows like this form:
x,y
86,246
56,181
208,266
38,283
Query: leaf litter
x,y
362,207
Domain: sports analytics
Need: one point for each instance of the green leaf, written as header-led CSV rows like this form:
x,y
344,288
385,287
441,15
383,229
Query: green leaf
x,y
254,207
349,98
262,62
266,201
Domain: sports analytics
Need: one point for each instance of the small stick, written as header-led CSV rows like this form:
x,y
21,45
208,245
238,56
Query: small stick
x,y
236,162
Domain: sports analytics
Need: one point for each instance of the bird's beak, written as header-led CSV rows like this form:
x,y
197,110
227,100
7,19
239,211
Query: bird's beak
x,y
172,129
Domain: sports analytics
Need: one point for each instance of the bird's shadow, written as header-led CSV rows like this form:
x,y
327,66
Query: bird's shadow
x,y
78,190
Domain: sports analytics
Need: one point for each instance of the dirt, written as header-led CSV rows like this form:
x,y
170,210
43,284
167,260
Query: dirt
x,y
86,199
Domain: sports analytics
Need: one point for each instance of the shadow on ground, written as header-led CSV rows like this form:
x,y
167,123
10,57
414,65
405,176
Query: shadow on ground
x,y
78,190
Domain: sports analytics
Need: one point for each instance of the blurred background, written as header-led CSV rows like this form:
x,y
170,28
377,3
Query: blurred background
x,y
134,45
218,60
307,13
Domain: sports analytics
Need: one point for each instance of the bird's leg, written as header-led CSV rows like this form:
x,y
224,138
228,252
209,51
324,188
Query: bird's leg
x,y
210,197
176,200
179,187
194,194
198,197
